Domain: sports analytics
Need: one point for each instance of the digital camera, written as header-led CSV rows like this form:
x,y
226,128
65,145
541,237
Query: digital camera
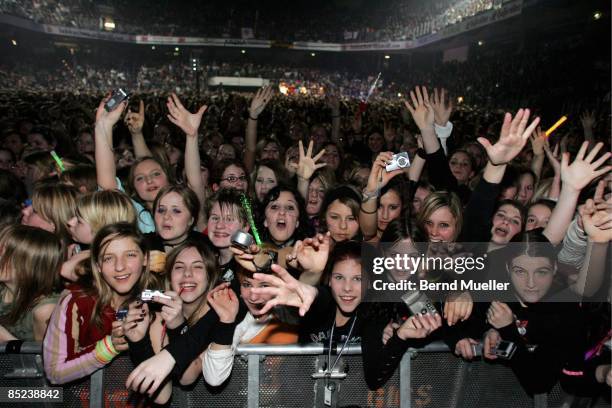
x,y
118,96
147,295
242,240
398,161
419,303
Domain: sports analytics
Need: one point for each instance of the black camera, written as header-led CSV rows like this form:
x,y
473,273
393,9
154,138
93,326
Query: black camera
x,y
118,96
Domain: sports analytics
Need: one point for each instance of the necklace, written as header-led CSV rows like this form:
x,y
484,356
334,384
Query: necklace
x,y
331,339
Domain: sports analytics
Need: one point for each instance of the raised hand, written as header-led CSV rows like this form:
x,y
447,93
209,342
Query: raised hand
x,y
311,254
171,310
260,100
285,290
442,111
553,157
181,117
108,119
513,136
307,164
538,140
499,315
135,120
136,323
597,224
421,110
224,301
379,177
419,326
583,169
587,119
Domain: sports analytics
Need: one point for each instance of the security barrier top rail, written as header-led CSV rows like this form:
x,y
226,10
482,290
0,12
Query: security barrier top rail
x,y
289,376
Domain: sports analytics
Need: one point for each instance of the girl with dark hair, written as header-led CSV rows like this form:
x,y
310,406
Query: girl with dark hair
x,y
548,336
335,313
340,214
284,217
191,273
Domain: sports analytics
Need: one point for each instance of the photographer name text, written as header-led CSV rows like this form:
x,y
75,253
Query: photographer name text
x,y
490,285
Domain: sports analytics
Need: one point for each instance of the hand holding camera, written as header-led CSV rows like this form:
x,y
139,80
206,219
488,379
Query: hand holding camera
x,y
249,255
136,321
110,109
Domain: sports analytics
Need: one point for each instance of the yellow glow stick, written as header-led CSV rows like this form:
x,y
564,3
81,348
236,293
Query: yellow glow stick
x,y
556,125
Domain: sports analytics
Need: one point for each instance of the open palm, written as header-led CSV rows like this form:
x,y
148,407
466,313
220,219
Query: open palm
x,y
513,136
181,117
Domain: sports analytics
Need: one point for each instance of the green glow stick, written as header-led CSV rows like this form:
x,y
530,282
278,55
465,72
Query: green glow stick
x,y
59,162
246,204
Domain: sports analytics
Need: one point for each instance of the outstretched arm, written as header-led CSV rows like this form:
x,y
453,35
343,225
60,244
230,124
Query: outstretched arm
x,y
134,122
189,123
103,137
379,177
258,104
575,177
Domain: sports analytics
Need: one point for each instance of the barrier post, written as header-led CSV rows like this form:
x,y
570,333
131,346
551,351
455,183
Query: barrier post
x,y
253,382
540,401
96,389
405,380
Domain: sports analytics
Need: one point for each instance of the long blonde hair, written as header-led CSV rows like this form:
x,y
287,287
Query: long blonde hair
x,y
100,288
105,207
56,203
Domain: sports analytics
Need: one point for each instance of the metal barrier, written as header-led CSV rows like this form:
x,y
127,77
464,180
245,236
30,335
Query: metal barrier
x,y
290,376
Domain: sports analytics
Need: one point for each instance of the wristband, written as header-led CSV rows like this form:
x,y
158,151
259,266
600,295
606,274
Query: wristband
x,y
252,118
367,212
367,196
105,351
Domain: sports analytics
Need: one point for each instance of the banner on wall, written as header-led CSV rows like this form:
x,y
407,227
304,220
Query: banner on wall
x,y
508,9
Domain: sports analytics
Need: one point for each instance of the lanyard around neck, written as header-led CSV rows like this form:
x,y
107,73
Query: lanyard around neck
x,y
331,339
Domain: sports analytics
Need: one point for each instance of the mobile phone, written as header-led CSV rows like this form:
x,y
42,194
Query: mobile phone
x,y
118,96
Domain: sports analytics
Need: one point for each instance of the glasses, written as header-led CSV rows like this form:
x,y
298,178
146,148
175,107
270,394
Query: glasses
x,y
234,179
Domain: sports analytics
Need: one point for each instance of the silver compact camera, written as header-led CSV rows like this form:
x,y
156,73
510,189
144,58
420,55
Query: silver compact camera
x,y
147,295
242,240
398,161
419,303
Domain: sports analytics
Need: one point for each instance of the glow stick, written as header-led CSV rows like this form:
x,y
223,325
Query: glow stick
x,y
556,125
59,162
249,213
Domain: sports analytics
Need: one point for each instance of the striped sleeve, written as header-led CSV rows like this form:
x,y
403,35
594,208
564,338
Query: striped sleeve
x,y
65,359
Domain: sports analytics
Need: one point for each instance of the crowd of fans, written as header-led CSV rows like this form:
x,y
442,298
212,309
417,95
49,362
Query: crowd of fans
x,y
148,196
98,204
388,20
